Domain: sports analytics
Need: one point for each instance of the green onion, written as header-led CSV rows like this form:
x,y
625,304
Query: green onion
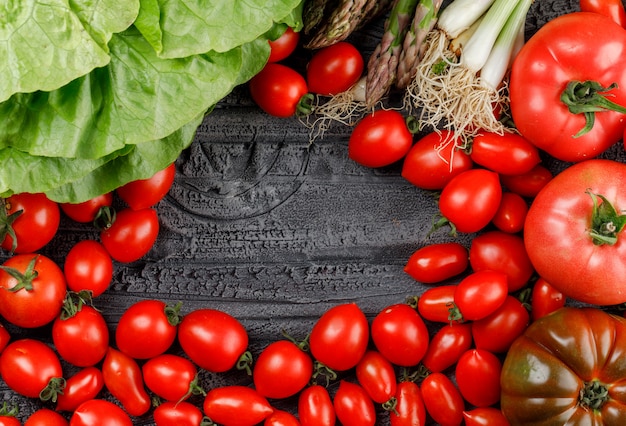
x,y
460,15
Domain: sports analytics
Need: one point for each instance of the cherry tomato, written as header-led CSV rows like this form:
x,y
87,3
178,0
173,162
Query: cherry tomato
x,y
545,299
528,184
147,328
485,416
5,338
434,304
353,406
511,213
506,154
281,370
497,331
9,419
315,407
377,376
281,418
236,405
283,46
132,234
145,193
334,69
213,339
442,399
614,9
340,336
82,338
37,297
410,409
380,139
470,200
123,379
278,90
46,417
447,345
179,413
437,262
87,211
84,385
477,376
88,266
400,334
32,369
480,293
433,160
99,412
504,252
33,218
171,377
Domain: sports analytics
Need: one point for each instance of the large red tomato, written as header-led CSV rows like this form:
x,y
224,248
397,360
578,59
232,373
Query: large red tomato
x,y
573,232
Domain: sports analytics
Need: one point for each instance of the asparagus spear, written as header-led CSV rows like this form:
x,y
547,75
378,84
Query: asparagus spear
x,y
412,49
313,13
383,64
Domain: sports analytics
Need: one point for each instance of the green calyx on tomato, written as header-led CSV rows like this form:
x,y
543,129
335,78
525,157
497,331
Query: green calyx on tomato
x,y
605,222
593,395
587,98
6,225
55,386
25,279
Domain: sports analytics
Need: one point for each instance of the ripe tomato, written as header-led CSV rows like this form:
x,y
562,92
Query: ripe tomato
x,y
46,417
447,345
82,338
5,338
433,160
36,298
236,405
279,90
434,303
145,193
480,294
84,385
131,235
506,154
123,379
9,419
528,184
147,328
315,407
497,331
32,369
377,376
282,370
477,376
410,409
213,339
282,47
470,200
171,377
99,412
545,299
30,222
87,211
614,9
334,69
353,405
180,413
281,418
442,399
340,336
88,266
400,335
511,213
485,416
437,262
380,139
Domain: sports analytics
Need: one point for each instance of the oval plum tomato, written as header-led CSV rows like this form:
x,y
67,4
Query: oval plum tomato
x,y
334,69
282,47
236,405
506,154
511,213
528,184
353,405
171,377
477,376
179,413
80,335
147,328
46,417
503,252
281,418
84,385
409,409
545,299
315,407
279,90
123,379
447,345
497,331
614,9
36,297
340,336
433,160
400,334
87,211
470,200
131,235
437,262
214,340
380,139
281,370
30,221
435,302
145,193
485,416
480,293
99,412
32,369
574,232
442,399
377,376
88,266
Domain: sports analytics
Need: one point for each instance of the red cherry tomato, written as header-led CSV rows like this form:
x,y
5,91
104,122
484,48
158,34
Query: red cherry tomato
x,y
282,370
5,338
99,412
82,338
236,405
437,262
9,418
315,407
36,221
87,211
83,386
442,399
283,46
410,409
145,193
545,299
171,377
278,90
485,416
46,417
511,213
497,331
88,266
179,413
281,418
614,9
334,69
353,405
132,234
123,379
477,376
528,184
377,376
480,293
434,304
447,345
506,154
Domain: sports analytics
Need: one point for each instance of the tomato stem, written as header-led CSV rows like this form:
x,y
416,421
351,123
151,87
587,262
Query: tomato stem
x,y
605,222
6,225
245,362
25,279
593,395
53,389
